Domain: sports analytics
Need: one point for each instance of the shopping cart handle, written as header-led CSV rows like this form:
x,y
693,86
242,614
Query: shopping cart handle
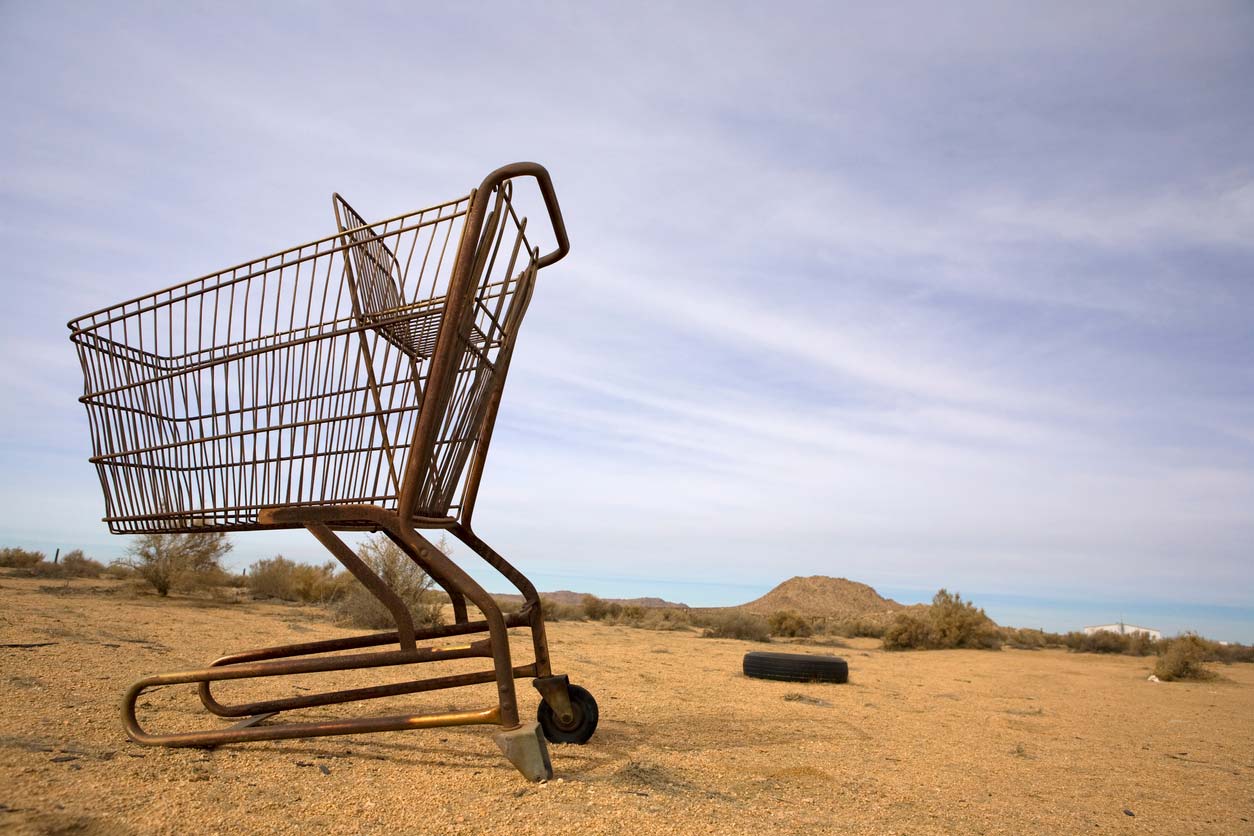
x,y
507,172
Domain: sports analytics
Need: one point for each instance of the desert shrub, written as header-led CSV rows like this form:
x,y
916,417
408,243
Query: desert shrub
x,y
1030,638
594,607
907,631
118,571
851,628
288,580
73,564
1106,641
709,618
959,623
788,623
45,569
1023,638
236,580
630,613
212,579
1141,644
598,609
660,618
738,625
170,561
78,565
358,606
1182,658
653,618
949,622
557,611
1230,653
15,558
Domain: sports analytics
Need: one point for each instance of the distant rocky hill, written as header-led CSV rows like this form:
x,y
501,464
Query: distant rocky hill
x,y
816,596
820,595
565,596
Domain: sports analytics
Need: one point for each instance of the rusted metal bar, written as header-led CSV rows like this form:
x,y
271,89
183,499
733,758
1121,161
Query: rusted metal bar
x,y
333,646
497,635
532,608
363,573
288,731
356,694
439,379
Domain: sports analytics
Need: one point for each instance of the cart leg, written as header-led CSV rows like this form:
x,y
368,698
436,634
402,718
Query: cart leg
x,y
455,597
438,564
400,612
459,607
531,598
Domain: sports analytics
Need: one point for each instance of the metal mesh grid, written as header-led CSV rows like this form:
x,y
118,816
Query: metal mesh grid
x,y
297,379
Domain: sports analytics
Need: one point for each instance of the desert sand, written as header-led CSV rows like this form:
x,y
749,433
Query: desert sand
x,y
927,742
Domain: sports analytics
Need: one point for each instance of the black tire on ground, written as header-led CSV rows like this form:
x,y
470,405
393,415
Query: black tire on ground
x,y
582,724
796,667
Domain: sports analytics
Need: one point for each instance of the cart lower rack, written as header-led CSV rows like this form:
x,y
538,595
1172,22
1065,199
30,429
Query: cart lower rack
x,y
347,384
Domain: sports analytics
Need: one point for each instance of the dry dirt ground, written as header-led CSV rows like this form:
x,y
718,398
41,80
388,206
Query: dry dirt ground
x,y
936,742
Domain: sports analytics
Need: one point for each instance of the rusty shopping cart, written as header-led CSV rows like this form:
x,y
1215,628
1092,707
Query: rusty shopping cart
x,y
348,384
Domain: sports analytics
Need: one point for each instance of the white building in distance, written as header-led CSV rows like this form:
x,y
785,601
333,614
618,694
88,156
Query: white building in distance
x,y
1123,630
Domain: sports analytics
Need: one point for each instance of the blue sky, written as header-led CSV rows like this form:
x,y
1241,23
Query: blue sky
x,y
924,295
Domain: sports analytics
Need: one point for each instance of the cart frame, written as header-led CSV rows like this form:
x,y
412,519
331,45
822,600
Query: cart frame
x,y
567,708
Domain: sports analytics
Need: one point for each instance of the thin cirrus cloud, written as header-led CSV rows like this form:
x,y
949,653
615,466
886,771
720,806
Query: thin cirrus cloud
x,y
926,295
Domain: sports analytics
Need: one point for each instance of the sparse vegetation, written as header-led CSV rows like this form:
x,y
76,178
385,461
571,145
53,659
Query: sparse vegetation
x,y
850,628
288,580
789,624
1183,657
949,622
663,618
192,561
737,625
1105,641
14,558
909,632
630,614
598,610
358,607
73,564
1026,638
557,611
176,561
118,572
592,608
1230,653
1191,647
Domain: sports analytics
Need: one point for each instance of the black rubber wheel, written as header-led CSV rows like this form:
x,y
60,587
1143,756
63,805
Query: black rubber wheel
x,y
796,667
582,724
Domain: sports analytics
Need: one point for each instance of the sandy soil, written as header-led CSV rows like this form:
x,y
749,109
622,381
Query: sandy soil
x,y
941,742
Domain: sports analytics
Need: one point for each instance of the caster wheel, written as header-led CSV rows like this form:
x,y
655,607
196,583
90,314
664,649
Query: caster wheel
x,y
583,721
